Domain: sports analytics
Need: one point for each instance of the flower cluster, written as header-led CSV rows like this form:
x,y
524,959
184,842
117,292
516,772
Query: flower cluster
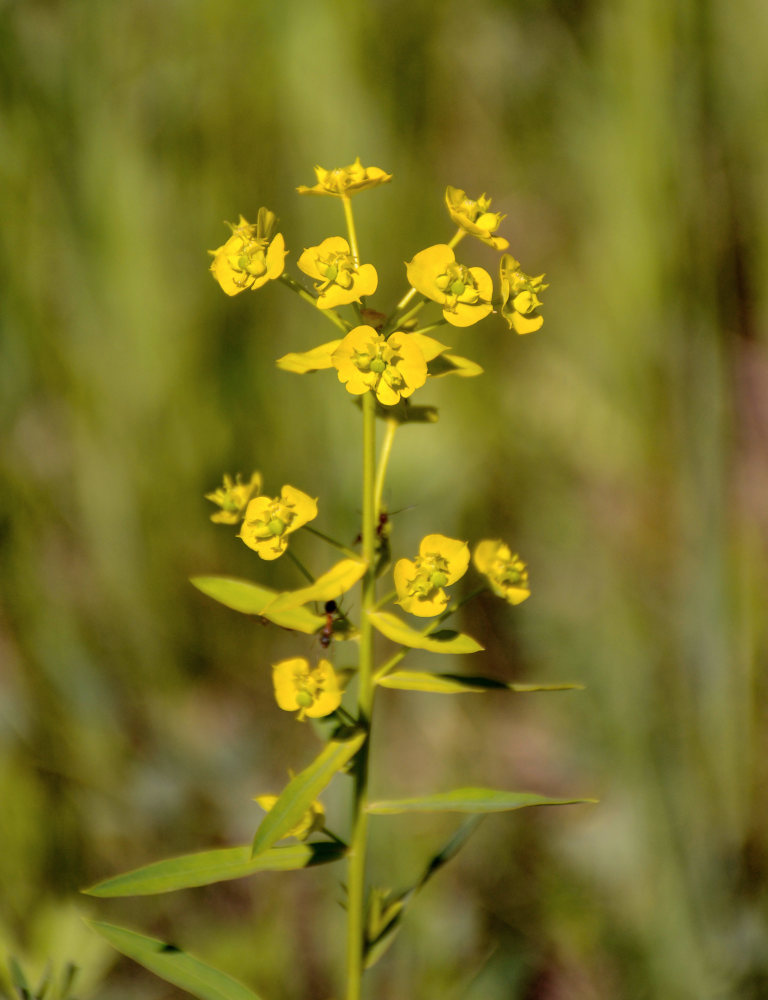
x,y
474,218
419,582
269,520
519,296
233,498
506,573
313,692
338,279
341,182
392,367
250,257
464,292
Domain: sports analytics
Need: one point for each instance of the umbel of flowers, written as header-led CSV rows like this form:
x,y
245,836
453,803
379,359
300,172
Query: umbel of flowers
x,y
382,359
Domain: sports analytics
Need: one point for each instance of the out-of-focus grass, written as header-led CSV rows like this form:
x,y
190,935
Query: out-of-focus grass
x,y
622,449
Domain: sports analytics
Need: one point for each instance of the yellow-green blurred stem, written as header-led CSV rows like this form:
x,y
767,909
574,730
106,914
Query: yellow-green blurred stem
x,y
358,841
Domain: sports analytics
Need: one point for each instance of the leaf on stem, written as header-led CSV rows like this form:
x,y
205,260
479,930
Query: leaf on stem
x,y
453,364
251,599
412,680
327,587
385,916
318,359
444,641
302,790
469,800
207,867
173,965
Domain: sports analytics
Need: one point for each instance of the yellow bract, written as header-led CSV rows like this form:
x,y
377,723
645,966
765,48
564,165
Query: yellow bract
x,y
463,292
338,279
393,367
474,218
233,497
312,693
312,820
249,258
268,521
519,296
419,582
507,573
345,181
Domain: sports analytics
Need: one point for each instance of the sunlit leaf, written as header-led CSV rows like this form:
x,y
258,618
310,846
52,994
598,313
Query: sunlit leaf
x,y
445,641
302,790
251,599
469,800
453,364
315,360
327,587
412,680
207,867
174,965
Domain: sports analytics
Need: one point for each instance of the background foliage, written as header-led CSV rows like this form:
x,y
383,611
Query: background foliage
x,y
622,449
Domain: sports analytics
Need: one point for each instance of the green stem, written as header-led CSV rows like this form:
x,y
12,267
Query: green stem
x,y
358,841
302,568
350,553
457,237
302,292
350,220
381,472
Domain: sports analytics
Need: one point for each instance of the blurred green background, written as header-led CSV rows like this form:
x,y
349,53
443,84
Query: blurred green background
x,y
623,450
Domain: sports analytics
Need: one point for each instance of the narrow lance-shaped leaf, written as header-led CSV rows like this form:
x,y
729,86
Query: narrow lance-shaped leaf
x,y
302,790
252,599
304,362
391,915
327,587
174,965
444,641
207,867
413,680
469,800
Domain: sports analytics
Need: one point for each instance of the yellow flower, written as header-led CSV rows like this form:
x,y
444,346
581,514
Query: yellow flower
x,y
393,367
345,181
312,820
419,582
507,573
268,522
474,218
519,296
338,279
250,257
312,693
463,292
233,498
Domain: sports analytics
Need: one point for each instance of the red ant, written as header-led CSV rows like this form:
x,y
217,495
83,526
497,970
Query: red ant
x,y
330,608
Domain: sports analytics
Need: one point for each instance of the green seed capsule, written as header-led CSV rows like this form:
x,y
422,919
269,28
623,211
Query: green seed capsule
x,y
457,287
304,699
438,579
276,526
378,365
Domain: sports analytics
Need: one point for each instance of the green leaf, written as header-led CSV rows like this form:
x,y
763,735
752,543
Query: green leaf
x,y
315,360
445,641
469,800
301,791
173,965
453,364
327,587
389,914
207,867
251,599
412,680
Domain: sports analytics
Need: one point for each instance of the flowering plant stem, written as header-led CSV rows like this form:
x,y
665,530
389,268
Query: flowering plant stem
x,y
358,843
